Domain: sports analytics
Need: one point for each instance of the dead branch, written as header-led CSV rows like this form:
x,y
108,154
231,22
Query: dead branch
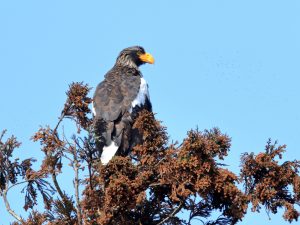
x,y
171,215
75,165
7,205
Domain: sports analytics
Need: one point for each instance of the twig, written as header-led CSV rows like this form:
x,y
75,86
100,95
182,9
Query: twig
x,y
6,202
22,182
54,179
75,167
76,184
7,205
171,215
191,212
62,116
57,187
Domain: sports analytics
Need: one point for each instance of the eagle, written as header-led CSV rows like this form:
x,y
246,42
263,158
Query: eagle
x,y
117,101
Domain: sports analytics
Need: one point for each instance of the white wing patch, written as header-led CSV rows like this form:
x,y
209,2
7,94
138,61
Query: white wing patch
x,y
108,152
93,109
141,96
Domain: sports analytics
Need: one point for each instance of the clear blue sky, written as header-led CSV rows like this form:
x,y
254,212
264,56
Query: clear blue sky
x,y
230,64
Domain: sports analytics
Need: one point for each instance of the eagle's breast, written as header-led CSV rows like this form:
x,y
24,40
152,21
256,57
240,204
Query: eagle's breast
x,y
141,96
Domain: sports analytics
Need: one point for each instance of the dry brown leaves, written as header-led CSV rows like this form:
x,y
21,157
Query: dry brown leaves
x,y
267,182
77,104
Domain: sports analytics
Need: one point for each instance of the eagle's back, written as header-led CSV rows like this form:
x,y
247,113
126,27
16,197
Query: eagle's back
x,y
114,96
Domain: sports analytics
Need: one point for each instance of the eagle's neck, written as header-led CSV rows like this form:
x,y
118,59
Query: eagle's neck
x,y
126,60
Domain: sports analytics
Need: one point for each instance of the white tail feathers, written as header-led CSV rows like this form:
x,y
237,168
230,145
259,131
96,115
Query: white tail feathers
x,y
108,152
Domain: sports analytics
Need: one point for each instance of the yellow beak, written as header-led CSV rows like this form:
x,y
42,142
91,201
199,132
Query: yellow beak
x,y
147,58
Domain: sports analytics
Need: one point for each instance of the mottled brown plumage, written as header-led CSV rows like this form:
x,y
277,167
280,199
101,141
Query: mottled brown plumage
x,y
114,109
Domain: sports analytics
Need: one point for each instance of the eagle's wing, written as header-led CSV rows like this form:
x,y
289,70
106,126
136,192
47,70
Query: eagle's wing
x,y
112,105
113,96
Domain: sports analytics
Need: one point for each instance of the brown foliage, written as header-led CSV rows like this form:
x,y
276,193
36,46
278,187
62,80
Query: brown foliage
x,y
77,104
267,182
153,183
9,170
35,218
164,179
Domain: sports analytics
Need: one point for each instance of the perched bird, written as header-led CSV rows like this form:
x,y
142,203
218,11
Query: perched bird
x,y
116,102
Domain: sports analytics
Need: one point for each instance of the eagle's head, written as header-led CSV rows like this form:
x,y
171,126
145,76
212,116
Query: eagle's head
x,y
134,57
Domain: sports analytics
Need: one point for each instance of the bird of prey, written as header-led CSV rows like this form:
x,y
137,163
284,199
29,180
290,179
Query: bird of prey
x,y
116,102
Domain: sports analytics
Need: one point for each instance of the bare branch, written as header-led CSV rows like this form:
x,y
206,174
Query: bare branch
x,y
75,165
54,179
22,182
171,215
57,187
76,186
7,205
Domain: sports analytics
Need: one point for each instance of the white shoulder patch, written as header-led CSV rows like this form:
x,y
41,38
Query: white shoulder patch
x,y
108,152
142,94
93,109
